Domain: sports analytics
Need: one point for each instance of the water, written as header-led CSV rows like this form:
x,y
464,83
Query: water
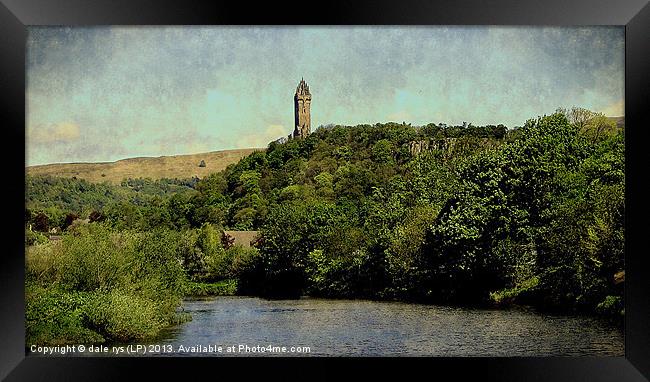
x,y
370,328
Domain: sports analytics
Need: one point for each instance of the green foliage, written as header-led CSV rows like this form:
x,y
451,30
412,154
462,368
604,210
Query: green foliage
x,y
429,180
34,237
435,213
382,151
205,259
220,288
136,203
160,187
74,195
353,182
124,316
101,284
404,255
536,205
509,294
217,260
330,276
611,306
293,192
479,209
56,317
324,180
249,182
290,234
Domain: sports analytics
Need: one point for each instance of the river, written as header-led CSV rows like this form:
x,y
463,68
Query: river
x,y
321,327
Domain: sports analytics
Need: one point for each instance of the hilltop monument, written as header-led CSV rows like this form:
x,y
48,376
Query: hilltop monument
x,y
302,103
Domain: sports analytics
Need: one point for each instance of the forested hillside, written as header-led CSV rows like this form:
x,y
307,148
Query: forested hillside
x,y
435,213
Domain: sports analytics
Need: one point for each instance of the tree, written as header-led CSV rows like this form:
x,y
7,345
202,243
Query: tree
x,y
41,222
96,216
292,231
227,241
69,219
353,181
599,127
577,116
249,181
180,209
506,195
213,184
382,151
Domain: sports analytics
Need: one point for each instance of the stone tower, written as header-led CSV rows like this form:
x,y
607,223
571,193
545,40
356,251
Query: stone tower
x,y
302,103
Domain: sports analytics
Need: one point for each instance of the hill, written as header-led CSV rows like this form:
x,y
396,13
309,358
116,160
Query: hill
x,y
176,166
433,213
620,121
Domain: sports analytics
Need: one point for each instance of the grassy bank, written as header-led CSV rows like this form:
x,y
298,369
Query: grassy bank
x,y
97,285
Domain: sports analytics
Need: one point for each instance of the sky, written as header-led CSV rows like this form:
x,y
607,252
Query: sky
x,y
97,94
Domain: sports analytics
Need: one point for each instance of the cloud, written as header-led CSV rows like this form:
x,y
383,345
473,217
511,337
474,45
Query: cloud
x,y
157,91
271,133
64,132
179,142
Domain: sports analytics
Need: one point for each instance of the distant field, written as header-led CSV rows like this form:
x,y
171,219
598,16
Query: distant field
x,y
177,166
620,121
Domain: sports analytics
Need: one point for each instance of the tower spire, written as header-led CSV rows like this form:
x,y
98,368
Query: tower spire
x,y
302,103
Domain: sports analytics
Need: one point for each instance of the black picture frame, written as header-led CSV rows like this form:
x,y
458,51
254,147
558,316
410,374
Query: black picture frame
x,y
16,15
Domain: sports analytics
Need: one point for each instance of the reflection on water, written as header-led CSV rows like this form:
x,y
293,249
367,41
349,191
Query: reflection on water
x,y
370,328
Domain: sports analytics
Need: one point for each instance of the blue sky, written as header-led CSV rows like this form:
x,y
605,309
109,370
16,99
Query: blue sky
x,y
107,93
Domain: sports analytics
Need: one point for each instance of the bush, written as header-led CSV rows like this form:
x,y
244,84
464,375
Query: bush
x,y
33,237
103,284
611,306
509,295
96,257
242,259
57,317
44,263
124,316
221,288
331,276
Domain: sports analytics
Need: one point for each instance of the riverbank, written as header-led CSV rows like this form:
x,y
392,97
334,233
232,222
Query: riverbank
x,y
530,215
220,288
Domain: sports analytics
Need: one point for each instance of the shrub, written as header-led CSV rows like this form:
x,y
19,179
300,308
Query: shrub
x,y
56,317
34,237
44,263
242,260
511,294
221,288
104,284
611,306
97,258
124,316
